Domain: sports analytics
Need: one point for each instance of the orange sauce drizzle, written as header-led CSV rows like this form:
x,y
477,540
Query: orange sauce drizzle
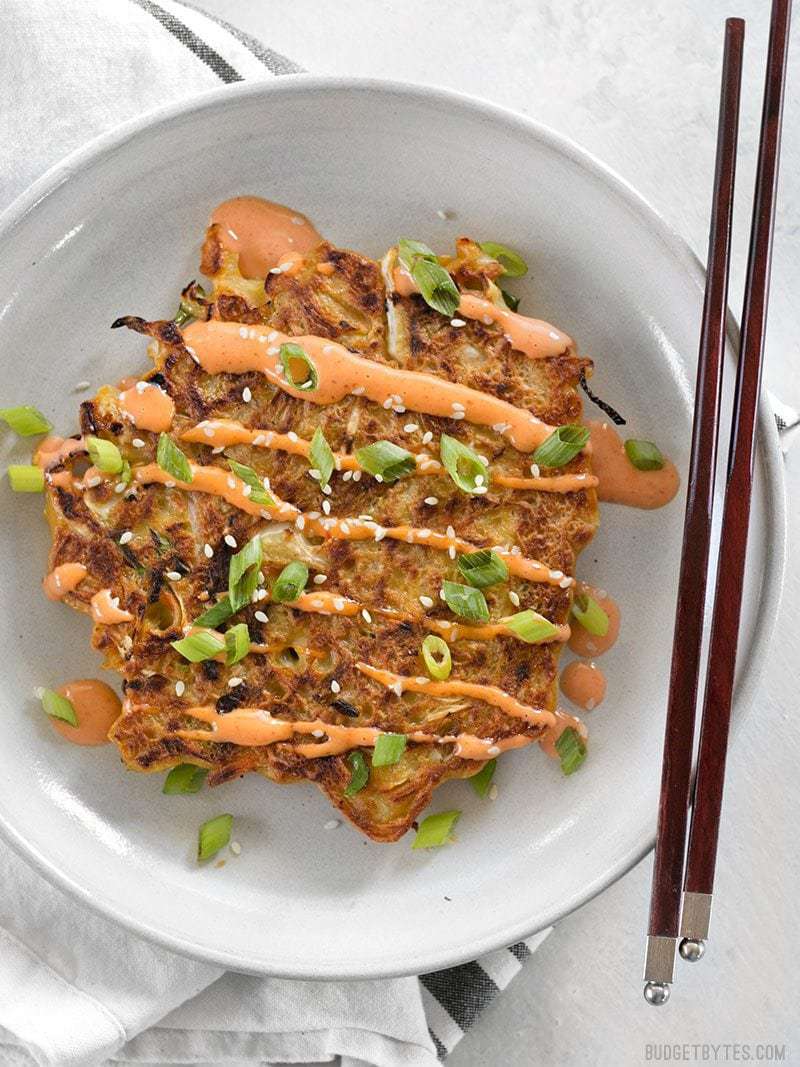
x,y
106,609
585,644
97,707
232,348
584,684
262,233
622,483
148,407
222,483
63,579
54,450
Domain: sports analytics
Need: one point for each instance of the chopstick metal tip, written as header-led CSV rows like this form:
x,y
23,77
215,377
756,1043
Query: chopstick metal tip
x,y
656,993
692,949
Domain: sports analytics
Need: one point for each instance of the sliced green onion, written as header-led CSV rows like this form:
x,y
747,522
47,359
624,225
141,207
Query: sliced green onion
x,y
571,750
530,626
237,643
481,781
126,474
438,660
359,773
436,287
321,457
435,830
26,478
466,601
483,568
408,251
388,749
512,302
185,778
590,614
243,574
214,835
170,459
215,615
385,460
25,421
290,582
644,455
105,455
514,266
190,309
199,646
58,707
561,446
291,355
464,466
258,494
162,544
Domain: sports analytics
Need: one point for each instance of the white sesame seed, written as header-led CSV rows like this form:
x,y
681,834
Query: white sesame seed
x,y
535,470
317,733
432,500
314,473
208,551
356,476
516,550
442,213
247,395
326,506
554,335
513,597
487,320
479,479
457,322
441,595
247,490
380,533
365,615
456,406
120,487
233,235
80,387
174,576
335,687
203,596
216,451
243,332
261,594
343,526
261,616
276,270
458,415
492,792
339,603
452,551
565,583
427,437
426,601
555,575
493,751
137,442
209,431
480,489
233,682
410,427
230,540
300,522
450,531
387,402
235,848
347,476
140,387
358,391
331,824
180,689
297,221
126,538
169,485
292,436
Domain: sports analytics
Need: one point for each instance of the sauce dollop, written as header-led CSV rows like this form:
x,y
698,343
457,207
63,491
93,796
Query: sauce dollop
x,y
63,579
262,233
97,707
620,481
106,609
148,407
584,684
588,645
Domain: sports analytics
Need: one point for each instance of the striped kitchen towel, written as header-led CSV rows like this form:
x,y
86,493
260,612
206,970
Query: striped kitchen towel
x,y
76,990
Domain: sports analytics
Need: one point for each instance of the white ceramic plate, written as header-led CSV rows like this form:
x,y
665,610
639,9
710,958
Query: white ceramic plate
x,y
116,229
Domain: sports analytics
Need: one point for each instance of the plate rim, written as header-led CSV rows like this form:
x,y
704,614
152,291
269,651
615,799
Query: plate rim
x,y
768,455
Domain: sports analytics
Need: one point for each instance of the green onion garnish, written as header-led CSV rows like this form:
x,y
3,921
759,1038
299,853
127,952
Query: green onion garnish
x,y
483,568
436,287
435,830
388,749
481,781
644,455
105,455
170,459
571,750
215,615
303,376
512,302
561,446
199,646
408,251
590,615
243,574
58,707
26,478
321,457
359,773
237,643
385,460
464,466
185,778
25,421
438,660
214,835
530,626
188,308
290,582
514,266
258,493
466,601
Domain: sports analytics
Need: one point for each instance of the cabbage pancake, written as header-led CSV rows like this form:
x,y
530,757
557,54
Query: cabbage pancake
x,y
331,671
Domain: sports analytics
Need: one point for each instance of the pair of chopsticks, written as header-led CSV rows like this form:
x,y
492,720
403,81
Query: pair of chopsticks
x,y
683,877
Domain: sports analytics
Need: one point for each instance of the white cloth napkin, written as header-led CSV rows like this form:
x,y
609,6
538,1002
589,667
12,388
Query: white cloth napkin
x,y
75,989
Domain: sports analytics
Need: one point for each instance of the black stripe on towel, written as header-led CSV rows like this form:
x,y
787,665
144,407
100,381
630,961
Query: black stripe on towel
x,y
273,61
462,991
520,950
190,40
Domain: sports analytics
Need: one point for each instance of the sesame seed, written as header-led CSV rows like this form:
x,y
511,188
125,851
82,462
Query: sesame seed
x,y
450,531
261,594
356,476
554,335
479,479
535,470
276,270
314,473
427,437
233,235
180,689
494,750
216,451
243,332
126,538
80,387
555,575
441,595
292,435
137,442
458,415
493,792
208,551
380,533
335,687
262,616
513,597
326,506
358,391
442,213
452,551
230,540
231,483
233,682
140,387
317,733
297,221
326,489
339,604
410,427
343,526
365,615
174,576
487,320
479,489
347,476
426,601
387,402
456,406
247,395
457,322
432,500
247,490
235,848
590,704
565,583
120,487
331,824
169,485
300,522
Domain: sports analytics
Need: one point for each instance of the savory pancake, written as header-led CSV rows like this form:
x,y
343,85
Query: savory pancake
x,y
159,551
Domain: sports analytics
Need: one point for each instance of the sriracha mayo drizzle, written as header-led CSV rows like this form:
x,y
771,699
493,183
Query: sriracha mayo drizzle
x,y
584,684
224,432
622,483
106,609
222,483
232,348
63,579
148,407
535,338
262,233
97,708
54,450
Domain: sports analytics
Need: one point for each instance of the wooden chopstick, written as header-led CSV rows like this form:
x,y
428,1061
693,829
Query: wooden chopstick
x,y
704,831
688,634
